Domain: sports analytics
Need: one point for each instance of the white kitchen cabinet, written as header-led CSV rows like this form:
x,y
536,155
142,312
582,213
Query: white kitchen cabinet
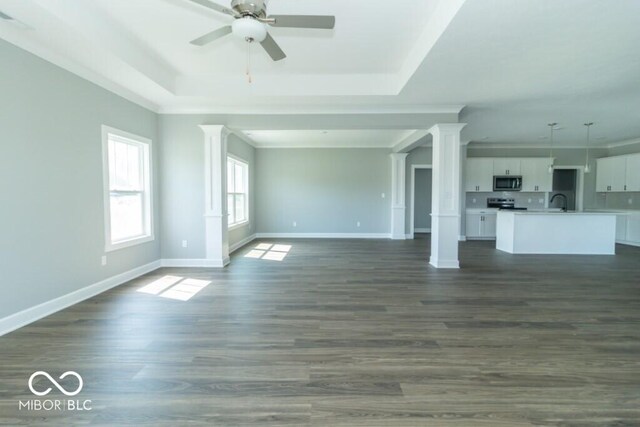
x,y
481,225
621,228
611,174
506,166
633,173
479,175
536,176
489,225
633,228
603,174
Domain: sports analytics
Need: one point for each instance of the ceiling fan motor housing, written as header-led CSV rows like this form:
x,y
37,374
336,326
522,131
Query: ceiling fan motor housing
x,y
256,8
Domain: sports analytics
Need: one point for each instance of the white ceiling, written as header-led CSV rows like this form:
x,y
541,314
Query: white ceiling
x,y
322,138
515,65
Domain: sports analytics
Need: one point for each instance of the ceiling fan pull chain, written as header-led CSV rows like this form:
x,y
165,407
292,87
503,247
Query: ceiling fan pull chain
x,y
248,64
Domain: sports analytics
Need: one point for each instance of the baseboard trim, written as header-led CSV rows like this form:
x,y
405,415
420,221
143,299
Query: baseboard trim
x,y
242,243
323,235
628,243
201,263
480,238
30,315
422,230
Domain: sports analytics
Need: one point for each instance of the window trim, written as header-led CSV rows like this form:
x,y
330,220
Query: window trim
x,y
149,236
247,221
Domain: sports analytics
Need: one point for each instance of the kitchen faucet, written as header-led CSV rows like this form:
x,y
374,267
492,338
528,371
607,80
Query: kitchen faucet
x,y
564,209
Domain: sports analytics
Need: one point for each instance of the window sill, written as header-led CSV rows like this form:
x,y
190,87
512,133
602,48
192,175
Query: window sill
x,y
238,225
128,243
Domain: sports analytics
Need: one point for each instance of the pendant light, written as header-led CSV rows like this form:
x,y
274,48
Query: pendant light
x,y
587,166
551,126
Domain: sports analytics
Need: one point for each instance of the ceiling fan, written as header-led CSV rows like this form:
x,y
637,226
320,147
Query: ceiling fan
x,y
251,22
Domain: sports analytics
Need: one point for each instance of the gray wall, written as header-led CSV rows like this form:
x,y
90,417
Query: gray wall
x,y
423,191
182,185
323,190
52,214
246,152
417,156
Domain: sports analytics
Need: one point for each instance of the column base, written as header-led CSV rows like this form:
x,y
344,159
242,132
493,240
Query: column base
x,y
451,264
445,233
218,262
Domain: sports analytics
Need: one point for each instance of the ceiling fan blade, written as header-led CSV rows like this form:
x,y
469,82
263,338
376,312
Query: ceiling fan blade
x,y
212,36
304,21
216,7
272,48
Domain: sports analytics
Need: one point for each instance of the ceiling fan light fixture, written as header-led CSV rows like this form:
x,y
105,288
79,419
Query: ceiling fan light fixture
x,y
249,29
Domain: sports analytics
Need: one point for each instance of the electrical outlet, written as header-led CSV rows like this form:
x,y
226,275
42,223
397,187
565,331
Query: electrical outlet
x,y
541,201
185,243
104,260
630,201
474,200
358,224
384,195
529,201
295,224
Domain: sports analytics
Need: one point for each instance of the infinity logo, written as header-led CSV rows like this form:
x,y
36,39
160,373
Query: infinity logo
x,y
55,383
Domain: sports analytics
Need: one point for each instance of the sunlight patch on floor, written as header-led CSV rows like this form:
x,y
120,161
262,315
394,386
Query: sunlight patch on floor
x,y
157,286
175,287
269,252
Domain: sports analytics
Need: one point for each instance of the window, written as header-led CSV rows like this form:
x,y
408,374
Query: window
x,y
127,189
237,191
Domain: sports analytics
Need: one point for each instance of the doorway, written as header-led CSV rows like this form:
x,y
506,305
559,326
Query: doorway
x,y
421,195
565,183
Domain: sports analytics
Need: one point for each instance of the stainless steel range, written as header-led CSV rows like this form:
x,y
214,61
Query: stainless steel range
x,y
510,204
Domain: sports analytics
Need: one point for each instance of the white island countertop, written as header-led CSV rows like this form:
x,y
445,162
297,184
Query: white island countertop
x,y
543,232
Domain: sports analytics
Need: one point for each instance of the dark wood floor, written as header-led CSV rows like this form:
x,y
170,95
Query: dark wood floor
x,y
353,333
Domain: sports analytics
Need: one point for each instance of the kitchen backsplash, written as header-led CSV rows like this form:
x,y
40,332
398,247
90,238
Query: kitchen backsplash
x,y
621,200
524,200
536,200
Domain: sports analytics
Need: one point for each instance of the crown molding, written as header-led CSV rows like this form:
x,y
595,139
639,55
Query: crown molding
x,y
624,143
244,138
311,110
481,145
359,147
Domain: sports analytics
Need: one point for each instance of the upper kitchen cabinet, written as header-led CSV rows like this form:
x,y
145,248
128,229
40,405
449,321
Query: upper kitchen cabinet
x,y
479,175
536,176
506,166
611,174
633,173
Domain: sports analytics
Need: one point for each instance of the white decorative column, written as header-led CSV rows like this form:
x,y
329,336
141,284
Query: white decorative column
x,y
398,208
215,211
445,216
464,146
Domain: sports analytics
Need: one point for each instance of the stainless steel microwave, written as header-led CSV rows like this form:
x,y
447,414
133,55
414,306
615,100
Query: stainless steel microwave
x,y
507,183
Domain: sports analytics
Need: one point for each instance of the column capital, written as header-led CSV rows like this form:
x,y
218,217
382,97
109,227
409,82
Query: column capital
x,y
447,127
215,130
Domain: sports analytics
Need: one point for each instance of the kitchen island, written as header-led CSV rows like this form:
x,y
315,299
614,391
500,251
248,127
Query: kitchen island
x,y
582,233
